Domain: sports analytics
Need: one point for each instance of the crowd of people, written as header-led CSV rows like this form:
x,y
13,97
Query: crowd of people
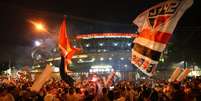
x,y
16,89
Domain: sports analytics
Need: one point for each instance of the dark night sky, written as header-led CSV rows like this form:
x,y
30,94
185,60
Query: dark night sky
x,y
17,34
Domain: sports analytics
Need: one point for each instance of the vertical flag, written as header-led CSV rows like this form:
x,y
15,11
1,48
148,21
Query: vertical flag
x,y
66,49
155,27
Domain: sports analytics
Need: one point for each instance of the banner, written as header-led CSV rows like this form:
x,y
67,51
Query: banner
x,y
155,27
44,77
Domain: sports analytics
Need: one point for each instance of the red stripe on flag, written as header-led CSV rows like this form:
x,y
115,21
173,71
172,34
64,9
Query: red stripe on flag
x,y
160,37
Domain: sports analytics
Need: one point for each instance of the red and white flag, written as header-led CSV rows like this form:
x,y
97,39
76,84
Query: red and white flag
x,y
155,27
183,75
44,77
175,74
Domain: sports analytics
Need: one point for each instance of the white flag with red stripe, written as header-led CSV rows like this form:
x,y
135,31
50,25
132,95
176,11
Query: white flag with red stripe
x,y
155,27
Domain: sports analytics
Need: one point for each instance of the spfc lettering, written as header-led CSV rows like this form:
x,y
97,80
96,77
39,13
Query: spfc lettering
x,y
167,8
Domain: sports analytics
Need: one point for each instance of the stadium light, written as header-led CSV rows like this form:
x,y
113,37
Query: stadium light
x,y
37,43
38,26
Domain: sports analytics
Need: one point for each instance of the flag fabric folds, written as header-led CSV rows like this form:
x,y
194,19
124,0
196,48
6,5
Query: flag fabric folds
x,y
175,74
44,77
66,49
183,75
155,27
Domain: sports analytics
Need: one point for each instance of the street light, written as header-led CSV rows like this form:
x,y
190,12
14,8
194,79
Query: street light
x,y
38,25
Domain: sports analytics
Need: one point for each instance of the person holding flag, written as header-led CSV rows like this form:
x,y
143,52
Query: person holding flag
x,y
67,51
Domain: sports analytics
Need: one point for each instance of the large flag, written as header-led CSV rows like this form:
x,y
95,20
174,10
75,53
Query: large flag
x,y
155,27
66,49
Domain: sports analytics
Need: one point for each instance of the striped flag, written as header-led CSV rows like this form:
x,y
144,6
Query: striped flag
x,y
155,27
183,75
175,74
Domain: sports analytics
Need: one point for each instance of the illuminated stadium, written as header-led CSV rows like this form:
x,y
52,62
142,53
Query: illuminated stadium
x,y
100,53
103,52
104,46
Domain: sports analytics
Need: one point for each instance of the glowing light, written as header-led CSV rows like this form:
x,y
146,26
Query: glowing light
x,y
101,58
38,25
87,45
86,61
110,58
100,44
74,46
121,58
195,73
115,44
106,35
37,43
80,56
129,44
102,66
